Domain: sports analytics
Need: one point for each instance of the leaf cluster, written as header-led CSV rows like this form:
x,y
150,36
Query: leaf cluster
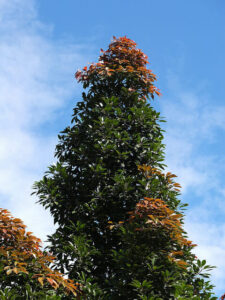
x,y
24,267
122,64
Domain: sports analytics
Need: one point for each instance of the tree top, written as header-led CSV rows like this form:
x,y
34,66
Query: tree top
x,y
122,62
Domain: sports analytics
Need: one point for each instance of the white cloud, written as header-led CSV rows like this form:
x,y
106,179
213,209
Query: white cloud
x,y
36,81
210,239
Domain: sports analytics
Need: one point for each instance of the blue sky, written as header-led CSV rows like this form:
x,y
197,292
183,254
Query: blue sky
x,y
43,43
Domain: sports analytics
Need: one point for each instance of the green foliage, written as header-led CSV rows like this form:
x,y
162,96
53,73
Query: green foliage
x,y
28,294
95,191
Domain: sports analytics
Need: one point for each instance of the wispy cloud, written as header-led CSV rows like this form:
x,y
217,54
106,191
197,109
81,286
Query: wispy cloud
x,y
194,138
36,82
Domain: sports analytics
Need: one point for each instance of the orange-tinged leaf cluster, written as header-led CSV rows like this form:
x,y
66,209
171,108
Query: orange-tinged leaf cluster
x,y
124,59
148,172
20,252
151,214
157,215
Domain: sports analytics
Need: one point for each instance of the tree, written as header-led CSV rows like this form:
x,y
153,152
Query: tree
x,y
119,217
24,267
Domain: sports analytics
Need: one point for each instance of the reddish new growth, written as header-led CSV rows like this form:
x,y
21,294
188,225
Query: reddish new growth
x,y
158,215
122,60
20,253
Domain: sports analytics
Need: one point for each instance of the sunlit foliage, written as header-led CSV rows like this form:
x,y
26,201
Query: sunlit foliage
x,y
24,267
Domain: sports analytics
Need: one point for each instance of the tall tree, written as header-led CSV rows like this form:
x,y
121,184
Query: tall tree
x,y
119,228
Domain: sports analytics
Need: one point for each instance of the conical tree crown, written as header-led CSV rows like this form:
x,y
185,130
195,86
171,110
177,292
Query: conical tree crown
x,y
119,232
96,177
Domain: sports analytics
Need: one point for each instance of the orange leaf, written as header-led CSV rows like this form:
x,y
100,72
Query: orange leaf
x,y
40,279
